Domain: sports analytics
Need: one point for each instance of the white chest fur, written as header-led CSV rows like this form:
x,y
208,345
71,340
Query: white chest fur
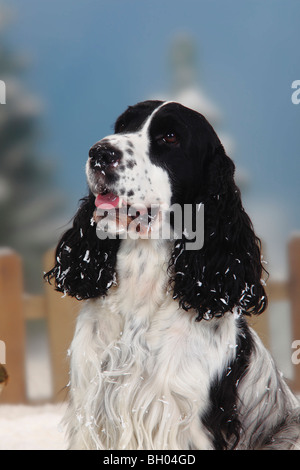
x,y
141,367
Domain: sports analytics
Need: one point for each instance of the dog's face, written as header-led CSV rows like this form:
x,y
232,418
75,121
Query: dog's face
x,y
156,156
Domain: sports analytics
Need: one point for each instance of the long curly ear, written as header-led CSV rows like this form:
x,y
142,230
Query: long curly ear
x,y
227,271
85,265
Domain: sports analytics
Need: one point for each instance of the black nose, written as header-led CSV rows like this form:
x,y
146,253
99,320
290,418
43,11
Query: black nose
x,y
103,154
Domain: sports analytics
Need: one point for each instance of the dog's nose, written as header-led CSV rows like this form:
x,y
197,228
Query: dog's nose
x,y
103,154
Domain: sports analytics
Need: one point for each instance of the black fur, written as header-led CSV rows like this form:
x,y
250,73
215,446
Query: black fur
x,y
227,272
222,418
85,265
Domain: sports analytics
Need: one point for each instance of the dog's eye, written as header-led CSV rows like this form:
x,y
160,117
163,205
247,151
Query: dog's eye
x,y
170,138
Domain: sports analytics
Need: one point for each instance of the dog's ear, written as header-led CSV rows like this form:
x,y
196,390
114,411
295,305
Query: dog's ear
x,y
226,273
85,265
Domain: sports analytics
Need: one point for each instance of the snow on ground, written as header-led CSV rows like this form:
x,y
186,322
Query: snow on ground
x,y
25,427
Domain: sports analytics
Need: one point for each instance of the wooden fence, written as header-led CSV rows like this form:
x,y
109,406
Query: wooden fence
x,y
16,308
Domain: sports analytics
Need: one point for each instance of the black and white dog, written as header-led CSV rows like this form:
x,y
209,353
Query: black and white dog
x,y
162,356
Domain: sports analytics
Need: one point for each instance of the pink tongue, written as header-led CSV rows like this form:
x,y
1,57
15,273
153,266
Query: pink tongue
x,y
107,201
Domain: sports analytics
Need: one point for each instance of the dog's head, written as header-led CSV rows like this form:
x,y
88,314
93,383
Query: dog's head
x,y
158,155
161,155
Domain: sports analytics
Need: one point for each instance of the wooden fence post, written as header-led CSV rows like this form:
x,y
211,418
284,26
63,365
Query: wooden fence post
x,y
61,316
12,325
294,287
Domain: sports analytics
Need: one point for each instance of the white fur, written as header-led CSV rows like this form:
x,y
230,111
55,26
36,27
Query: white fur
x,y
140,366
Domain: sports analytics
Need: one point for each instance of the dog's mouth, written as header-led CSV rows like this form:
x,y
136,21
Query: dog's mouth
x,y
107,201
135,217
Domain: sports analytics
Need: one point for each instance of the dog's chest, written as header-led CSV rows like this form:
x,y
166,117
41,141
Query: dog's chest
x,y
152,386
152,364
155,381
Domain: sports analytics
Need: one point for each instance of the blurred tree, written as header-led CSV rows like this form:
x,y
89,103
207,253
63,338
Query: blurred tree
x,y
185,87
30,205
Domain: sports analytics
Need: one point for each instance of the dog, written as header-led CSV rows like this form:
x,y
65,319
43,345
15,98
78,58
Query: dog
x,y
162,356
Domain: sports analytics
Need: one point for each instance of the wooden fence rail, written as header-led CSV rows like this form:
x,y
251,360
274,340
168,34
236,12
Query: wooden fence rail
x,y
16,308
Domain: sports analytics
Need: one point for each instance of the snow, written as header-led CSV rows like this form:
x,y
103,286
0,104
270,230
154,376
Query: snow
x,y
25,427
